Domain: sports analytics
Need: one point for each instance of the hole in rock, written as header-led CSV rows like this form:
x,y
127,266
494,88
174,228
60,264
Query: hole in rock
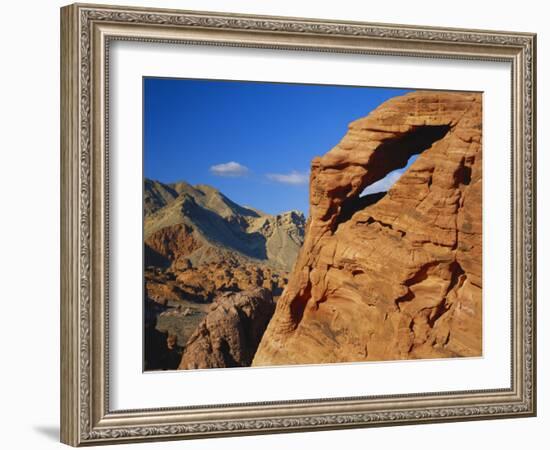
x,y
464,175
389,162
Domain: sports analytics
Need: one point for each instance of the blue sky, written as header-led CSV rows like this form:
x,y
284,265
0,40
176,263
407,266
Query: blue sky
x,y
252,141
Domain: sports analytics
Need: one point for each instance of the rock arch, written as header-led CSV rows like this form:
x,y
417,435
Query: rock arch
x,y
399,278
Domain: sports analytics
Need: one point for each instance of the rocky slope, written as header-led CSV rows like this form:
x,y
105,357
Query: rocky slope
x,y
161,350
201,225
198,245
395,276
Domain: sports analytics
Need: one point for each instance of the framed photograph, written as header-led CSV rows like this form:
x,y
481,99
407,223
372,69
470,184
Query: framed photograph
x,y
276,224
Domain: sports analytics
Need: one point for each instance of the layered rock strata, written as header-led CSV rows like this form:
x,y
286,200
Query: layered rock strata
x,y
394,276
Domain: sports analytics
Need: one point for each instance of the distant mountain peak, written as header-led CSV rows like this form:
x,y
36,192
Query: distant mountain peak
x,y
206,188
221,224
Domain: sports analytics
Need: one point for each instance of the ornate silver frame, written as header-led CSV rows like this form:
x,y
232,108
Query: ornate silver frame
x,y
86,31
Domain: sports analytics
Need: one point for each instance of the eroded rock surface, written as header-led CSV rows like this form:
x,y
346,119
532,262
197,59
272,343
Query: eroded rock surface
x,y
231,331
198,244
395,276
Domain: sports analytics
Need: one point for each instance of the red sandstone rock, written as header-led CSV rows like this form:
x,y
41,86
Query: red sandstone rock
x,y
231,331
173,242
397,277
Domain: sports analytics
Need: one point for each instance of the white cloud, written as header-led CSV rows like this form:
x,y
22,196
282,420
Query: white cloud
x,y
384,184
229,169
293,177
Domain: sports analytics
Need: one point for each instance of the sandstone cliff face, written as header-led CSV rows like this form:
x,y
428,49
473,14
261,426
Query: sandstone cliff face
x,y
395,276
231,331
173,242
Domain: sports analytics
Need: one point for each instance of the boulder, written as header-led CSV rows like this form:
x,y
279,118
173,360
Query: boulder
x,y
231,331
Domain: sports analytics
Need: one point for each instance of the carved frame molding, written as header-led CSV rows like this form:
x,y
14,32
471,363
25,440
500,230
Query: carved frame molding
x,y
86,32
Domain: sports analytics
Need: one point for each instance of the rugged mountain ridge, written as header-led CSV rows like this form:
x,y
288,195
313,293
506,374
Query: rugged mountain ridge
x,y
208,227
397,276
